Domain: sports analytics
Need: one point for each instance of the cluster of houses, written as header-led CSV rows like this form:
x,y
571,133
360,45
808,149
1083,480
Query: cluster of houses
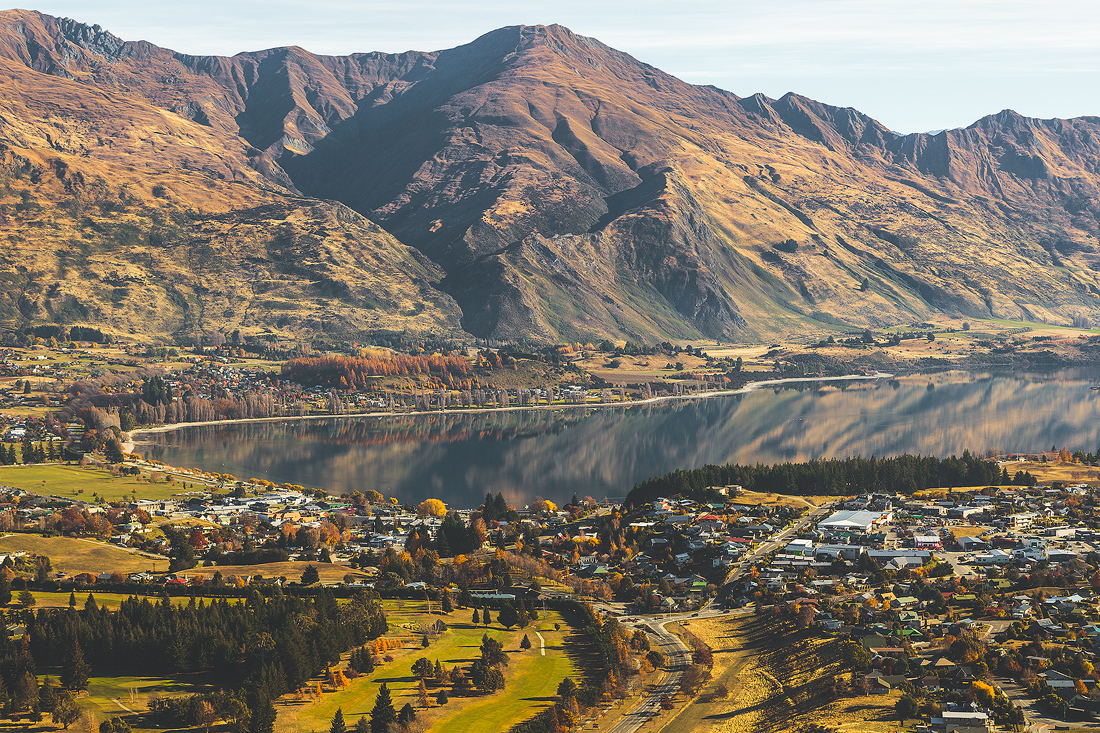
x,y
917,551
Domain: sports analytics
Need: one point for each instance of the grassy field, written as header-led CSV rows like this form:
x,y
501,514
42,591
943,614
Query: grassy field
x,y
328,572
73,555
531,678
772,672
112,601
122,696
754,497
69,481
1055,471
108,697
968,531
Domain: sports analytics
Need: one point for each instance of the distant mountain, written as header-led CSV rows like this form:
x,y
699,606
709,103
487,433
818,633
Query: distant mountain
x,y
533,184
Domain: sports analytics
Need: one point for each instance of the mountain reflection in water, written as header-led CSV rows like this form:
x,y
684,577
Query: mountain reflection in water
x,y
604,451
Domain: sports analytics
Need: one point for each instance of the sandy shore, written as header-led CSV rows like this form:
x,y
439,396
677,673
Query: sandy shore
x,y
134,436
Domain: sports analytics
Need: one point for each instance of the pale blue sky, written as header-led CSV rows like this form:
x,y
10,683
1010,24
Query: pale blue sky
x,y
914,66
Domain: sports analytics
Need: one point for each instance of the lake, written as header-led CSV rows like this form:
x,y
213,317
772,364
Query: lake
x,y
603,452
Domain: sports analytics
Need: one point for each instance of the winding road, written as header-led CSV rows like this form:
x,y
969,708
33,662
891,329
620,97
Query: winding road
x,y
679,656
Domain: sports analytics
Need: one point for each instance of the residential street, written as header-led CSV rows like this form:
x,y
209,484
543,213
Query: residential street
x,y
678,653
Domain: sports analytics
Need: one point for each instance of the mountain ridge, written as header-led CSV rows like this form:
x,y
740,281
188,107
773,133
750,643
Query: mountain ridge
x,y
565,190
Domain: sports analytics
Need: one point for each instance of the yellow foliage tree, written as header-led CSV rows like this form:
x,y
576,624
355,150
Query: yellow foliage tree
x,y
544,505
431,508
982,693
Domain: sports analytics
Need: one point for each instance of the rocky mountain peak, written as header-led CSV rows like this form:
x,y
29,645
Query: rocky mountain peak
x,y
553,188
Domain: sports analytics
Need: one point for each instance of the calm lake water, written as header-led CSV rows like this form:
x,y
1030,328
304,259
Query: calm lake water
x,y
604,452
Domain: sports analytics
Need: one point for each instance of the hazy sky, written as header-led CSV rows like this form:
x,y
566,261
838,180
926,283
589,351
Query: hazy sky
x,y
915,66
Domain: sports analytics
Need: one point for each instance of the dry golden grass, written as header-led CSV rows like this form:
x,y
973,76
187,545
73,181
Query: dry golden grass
x,y
1057,471
754,497
968,531
773,673
292,571
73,555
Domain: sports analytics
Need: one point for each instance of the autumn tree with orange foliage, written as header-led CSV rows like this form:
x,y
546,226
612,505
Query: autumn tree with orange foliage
x,y
343,372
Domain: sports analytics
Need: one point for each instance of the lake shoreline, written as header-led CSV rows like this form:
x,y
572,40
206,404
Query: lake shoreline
x,y
133,437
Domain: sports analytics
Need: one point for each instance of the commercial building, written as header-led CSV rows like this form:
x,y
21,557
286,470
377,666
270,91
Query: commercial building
x,y
857,521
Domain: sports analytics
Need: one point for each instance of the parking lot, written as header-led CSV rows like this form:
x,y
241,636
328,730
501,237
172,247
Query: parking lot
x,y
962,561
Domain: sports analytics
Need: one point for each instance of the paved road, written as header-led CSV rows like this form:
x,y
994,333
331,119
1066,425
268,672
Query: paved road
x,y
776,542
1035,719
678,654
649,706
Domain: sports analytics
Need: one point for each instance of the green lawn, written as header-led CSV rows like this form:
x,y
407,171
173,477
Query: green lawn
x,y
68,481
532,681
121,696
531,678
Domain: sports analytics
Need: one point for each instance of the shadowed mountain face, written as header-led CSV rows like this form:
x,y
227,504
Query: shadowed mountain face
x,y
558,189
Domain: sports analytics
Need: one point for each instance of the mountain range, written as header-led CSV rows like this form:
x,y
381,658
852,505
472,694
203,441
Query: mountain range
x,y
532,185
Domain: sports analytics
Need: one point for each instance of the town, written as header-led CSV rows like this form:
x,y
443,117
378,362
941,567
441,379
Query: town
x,y
968,609
954,594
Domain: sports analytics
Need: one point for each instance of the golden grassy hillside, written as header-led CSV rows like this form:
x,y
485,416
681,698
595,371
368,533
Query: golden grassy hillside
x,y
532,184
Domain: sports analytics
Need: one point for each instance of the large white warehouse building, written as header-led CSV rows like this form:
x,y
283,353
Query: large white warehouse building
x,y
854,521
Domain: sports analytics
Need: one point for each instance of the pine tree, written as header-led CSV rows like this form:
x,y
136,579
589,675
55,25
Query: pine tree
x,y
47,696
422,697
526,643
337,725
362,725
485,617
72,599
443,546
75,671
447,604
439,674
66,711
383,713
508,617
113,451
477,617
263,717
310,576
